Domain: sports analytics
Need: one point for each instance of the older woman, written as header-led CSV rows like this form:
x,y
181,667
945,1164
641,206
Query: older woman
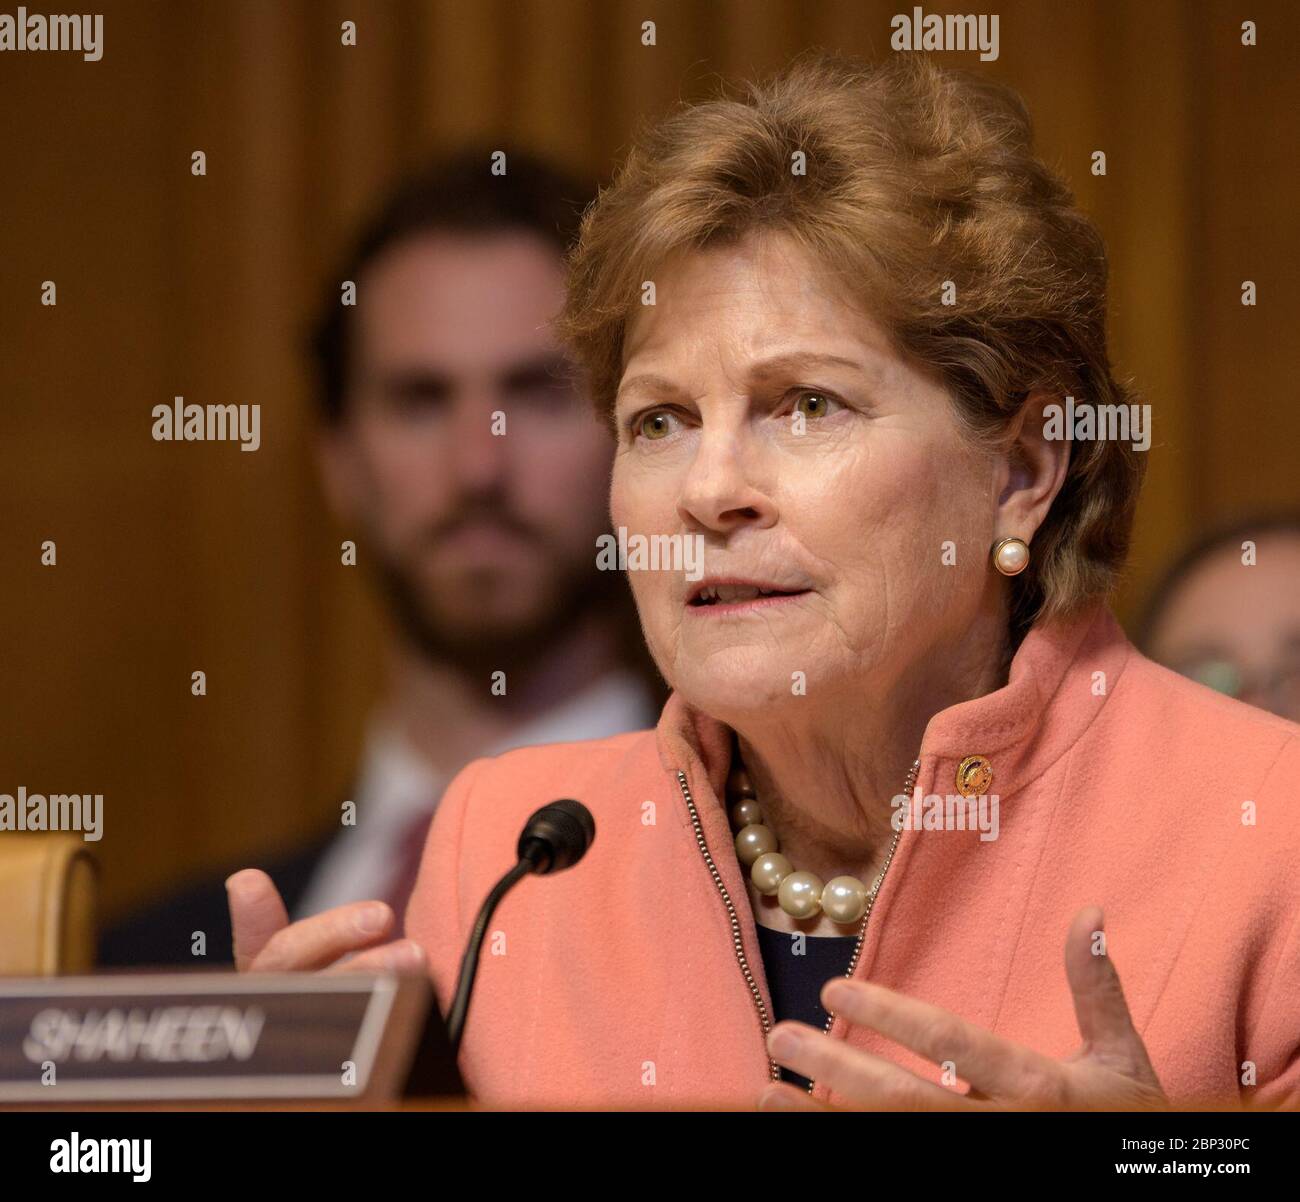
x,y
909,756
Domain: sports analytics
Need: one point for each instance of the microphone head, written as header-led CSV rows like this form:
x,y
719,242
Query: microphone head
x,y
557,836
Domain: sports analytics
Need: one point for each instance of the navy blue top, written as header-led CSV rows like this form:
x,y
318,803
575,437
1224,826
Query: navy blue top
x,y
795,982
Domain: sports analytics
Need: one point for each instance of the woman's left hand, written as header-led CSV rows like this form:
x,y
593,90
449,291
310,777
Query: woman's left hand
x,y
1111,1070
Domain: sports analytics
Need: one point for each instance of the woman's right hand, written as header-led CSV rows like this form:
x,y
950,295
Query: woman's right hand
x,y
344,939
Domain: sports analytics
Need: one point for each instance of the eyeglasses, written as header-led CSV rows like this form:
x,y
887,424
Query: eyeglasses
x,y
1277,690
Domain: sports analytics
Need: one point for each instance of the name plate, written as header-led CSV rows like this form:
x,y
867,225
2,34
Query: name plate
x,y
227,1035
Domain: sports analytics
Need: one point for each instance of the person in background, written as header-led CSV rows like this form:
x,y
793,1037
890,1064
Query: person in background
x,y
459,450
1227,614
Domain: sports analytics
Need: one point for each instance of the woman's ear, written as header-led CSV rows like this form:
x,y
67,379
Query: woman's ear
x,y
1032,471
336,460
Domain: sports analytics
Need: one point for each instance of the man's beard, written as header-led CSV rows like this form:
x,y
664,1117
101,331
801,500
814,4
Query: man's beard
x,y
577,589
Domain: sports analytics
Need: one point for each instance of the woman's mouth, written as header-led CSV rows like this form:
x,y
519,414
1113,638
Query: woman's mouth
x,y
739,597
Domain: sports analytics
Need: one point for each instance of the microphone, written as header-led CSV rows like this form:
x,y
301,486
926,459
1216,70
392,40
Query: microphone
x,y
554,838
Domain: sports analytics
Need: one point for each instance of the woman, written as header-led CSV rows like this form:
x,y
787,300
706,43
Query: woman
x,y
908,749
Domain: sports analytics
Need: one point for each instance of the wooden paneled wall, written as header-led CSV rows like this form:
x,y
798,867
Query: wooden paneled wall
x,y
179,557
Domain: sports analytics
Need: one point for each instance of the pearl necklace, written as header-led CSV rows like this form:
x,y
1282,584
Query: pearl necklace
x,y
843,900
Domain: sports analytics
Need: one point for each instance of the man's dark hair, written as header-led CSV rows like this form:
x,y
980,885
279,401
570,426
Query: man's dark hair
x,y
457,194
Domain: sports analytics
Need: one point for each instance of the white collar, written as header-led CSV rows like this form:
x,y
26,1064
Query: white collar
x,y
396,781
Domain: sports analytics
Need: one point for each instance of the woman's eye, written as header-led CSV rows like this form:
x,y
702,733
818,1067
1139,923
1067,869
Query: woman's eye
x,y
813,404
654,425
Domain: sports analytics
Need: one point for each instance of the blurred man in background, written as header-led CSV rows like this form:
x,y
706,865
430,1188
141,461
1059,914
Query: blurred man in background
x,y
464,458
1228,614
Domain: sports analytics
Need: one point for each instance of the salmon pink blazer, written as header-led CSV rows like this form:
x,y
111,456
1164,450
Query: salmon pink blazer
x,y
635,978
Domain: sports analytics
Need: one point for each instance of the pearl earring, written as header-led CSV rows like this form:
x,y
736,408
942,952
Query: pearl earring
x,y
1011,556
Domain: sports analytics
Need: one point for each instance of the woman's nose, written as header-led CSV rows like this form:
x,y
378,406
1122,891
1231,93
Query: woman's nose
x,y
720,491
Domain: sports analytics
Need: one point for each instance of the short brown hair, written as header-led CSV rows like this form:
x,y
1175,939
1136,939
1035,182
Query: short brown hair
x,y
454,193
916,176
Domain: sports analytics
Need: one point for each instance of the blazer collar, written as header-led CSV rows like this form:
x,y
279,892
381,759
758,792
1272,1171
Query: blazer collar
x,y
1060,677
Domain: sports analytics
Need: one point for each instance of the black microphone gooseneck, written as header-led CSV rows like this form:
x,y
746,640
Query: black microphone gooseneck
x,y
556,837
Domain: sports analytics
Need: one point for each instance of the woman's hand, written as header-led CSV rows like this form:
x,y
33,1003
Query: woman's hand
x,y
266,941
1110,1070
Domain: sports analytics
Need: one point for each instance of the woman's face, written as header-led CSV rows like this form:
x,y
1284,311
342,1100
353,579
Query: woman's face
x,y
759,410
